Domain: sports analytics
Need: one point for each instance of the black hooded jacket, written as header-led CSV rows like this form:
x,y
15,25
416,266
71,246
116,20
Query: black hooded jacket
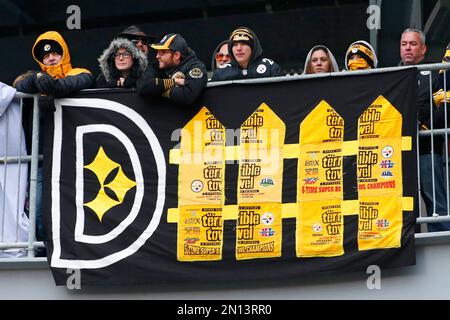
x,y
423,111
258,67
441,81
110,75
213,59
158,82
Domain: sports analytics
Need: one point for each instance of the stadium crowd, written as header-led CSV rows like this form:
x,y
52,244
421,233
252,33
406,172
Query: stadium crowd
x,y
168,67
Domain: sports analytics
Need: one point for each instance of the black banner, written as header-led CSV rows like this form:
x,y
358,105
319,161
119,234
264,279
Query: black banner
x,y
145,191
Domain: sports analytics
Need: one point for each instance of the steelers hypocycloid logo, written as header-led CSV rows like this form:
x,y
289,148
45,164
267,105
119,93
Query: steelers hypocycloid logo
x,y
197,186
267,218
387,152
317,227
261,68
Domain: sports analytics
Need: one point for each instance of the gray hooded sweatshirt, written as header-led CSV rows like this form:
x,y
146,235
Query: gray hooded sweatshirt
x,y
334,65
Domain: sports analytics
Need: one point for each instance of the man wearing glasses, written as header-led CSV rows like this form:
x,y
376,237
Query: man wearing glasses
x,y
179,76
138,37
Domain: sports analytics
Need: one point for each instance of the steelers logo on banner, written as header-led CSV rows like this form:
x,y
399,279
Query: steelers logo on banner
x,y
201,180
320,184
110,202
380,176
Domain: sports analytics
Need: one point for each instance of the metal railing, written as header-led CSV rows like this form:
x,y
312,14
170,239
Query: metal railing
x,y
6,159
33,159
436,216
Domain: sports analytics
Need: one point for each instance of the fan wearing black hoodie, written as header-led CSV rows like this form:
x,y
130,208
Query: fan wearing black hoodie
x,y
246,59
180,75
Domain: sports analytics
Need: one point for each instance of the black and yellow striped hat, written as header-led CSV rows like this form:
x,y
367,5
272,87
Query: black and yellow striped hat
x,y
242,34
363,49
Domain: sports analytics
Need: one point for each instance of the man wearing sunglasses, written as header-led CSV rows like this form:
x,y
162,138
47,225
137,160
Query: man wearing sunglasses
x,y
180,75
138,37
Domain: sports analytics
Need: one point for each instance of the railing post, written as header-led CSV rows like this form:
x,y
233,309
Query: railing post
x,y
446,143
33,177
432,143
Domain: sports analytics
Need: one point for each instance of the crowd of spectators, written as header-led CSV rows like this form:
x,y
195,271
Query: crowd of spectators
x,y
169,68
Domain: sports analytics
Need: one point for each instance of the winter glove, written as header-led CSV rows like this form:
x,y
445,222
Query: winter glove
x,y
26,82
45,83
440,96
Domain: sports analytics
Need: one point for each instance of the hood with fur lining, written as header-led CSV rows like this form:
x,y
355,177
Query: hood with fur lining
x,y
106,60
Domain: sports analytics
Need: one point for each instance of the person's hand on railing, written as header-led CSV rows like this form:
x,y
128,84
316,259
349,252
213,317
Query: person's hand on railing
x,y
45,83
440,96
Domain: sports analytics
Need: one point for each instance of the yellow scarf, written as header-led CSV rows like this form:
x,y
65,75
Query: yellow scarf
x,y
358,64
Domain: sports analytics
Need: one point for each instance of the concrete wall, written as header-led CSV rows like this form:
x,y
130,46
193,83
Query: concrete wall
x,y
426,280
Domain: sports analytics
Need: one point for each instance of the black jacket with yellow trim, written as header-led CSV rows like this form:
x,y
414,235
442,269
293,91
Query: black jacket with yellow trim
x,y
67,80
423,111
157,82
440,96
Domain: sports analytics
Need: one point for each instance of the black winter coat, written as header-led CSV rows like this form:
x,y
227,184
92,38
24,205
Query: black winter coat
x,y
157,82
258,67
63,87
423,110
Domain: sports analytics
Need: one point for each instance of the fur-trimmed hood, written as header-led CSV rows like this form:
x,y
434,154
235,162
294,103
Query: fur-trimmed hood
x,y
106,60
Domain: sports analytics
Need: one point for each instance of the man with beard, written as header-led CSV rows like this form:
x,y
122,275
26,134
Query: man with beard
x,y
180,75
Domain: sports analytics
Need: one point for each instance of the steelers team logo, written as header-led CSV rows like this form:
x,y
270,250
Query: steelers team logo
x,y
109,179
387,152
317,227
197,186
267,218
261,68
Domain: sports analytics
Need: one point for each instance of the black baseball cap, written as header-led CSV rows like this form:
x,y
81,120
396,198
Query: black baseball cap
x,y
172,41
